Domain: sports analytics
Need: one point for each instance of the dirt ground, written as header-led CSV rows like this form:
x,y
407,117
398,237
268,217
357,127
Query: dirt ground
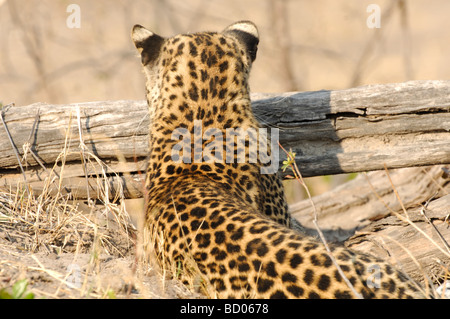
x,y
64,250
72,258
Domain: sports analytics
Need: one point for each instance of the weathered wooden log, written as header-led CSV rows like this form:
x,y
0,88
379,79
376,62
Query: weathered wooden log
x,y
424,255
355,204
362,213
111,130
361,129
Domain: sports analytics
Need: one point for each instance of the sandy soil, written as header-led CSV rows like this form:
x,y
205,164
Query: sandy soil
x,y
72,260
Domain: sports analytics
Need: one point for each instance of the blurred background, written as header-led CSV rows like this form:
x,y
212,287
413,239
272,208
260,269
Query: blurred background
x,y
49,55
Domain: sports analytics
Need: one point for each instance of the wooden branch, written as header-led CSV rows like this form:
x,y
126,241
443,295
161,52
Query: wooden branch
x,y
357,203
359,214
402,244
360,129
111,130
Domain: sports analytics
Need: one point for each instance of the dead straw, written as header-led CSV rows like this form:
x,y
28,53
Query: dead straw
x,y
299,178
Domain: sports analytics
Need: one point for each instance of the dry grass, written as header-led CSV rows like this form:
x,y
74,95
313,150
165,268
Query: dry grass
x,y
98,238
298,176
440,282
37,228
88,249
440,245
67,248
55,225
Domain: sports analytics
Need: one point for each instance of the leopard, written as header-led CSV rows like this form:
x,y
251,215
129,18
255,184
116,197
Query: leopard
x,y
218,216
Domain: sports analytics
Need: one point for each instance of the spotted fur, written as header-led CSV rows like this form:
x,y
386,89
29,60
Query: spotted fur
x,y
231,219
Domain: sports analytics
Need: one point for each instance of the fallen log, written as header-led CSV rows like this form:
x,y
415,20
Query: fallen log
x,y
418,242
360,129
367,214
99,150
369,197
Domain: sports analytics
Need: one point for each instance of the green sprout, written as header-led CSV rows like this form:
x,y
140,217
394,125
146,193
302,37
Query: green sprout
x,y
289,162
18,291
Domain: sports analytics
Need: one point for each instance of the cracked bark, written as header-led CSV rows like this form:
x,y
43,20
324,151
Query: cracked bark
x,y
354,130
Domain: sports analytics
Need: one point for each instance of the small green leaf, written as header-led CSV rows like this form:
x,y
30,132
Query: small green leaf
x,y
18,291
290,160
19,288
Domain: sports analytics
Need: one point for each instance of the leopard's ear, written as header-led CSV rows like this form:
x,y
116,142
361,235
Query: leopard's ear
x,y
247,33
148,43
